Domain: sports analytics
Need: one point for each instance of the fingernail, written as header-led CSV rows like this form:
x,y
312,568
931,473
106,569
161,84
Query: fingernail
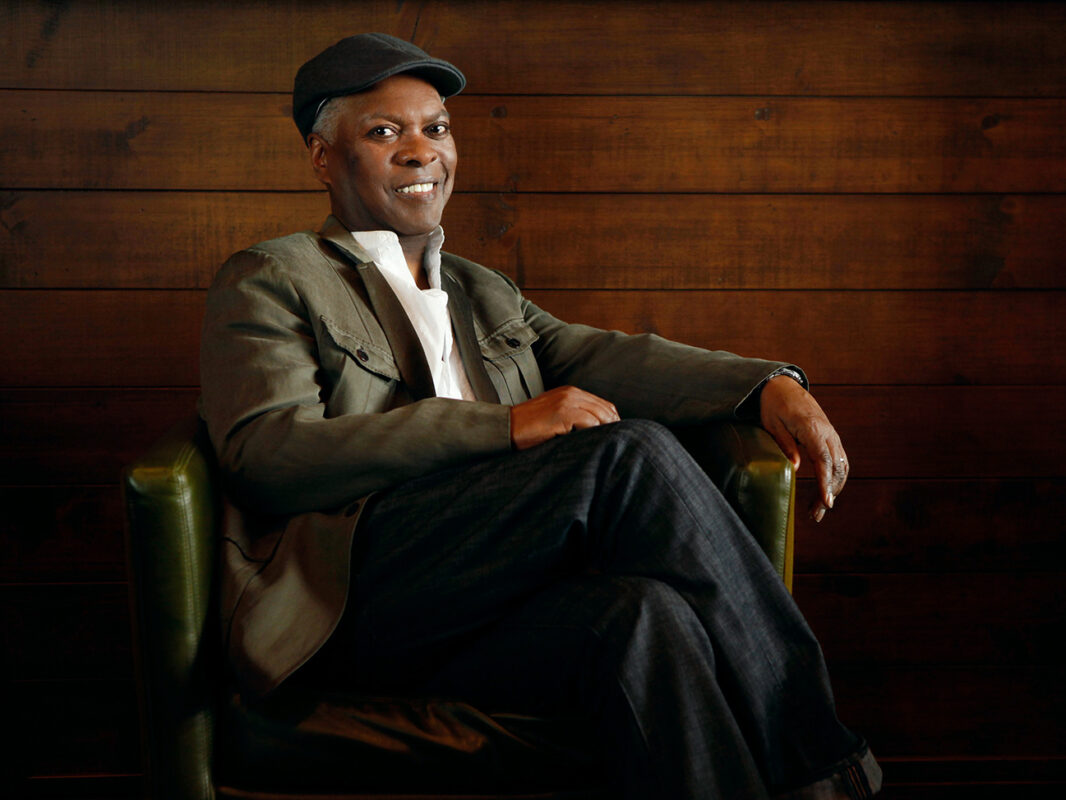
x,y
829,498
818,514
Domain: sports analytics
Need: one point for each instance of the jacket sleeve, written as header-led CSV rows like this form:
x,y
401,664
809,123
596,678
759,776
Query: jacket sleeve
x,y
285,444
647,376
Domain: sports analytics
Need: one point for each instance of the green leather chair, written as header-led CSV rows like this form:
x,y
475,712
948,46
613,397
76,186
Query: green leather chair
x,y
203,740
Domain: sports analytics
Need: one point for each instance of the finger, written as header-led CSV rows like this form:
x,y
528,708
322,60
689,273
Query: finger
x,y
825,471
818,511
787,442
578,419
604,410
841,467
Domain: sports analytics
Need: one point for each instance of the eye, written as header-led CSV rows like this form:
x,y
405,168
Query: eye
x,y
438,130
382,131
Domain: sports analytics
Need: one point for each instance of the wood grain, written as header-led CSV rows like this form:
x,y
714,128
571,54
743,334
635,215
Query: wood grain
x,y
953,712
1021,778
68,631
592,47
906,525
74,533
875,190
102,338
177,240
1018,787
82,631
846,338
942,431
151,338
61,533
936,618
153,140
84,436
99,734
914,713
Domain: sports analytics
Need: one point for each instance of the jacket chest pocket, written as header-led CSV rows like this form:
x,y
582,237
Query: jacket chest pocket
x,y
362,377
509,360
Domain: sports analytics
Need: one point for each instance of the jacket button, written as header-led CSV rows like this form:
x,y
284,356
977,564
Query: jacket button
x,y
361,354
512,342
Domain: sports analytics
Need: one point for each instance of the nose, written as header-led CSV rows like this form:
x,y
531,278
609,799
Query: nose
x,y
415,150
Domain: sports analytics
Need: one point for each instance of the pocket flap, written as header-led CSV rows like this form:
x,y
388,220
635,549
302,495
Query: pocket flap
x,y
364,352
512,337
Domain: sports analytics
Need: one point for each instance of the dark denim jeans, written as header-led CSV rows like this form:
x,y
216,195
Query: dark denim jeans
x,y
603,572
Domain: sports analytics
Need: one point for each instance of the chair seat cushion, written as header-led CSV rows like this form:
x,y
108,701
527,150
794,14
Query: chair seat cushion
x,y
300,741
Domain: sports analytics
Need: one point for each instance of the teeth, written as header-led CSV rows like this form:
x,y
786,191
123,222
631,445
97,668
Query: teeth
x,y
416,188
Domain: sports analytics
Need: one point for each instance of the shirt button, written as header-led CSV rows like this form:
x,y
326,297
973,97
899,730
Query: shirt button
x,y
361,355
512,342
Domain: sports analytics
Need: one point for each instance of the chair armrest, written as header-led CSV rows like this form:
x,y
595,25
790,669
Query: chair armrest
x,y
750,470
172,516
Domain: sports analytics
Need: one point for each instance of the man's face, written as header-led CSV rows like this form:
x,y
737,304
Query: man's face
x,y
392,160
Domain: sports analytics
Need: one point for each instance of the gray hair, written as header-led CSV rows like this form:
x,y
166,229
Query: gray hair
x,y
326,120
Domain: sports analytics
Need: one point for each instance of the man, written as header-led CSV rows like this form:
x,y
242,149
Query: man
x,y
439,487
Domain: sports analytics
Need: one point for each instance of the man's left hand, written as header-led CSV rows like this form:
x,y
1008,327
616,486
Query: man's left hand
x,y
793,417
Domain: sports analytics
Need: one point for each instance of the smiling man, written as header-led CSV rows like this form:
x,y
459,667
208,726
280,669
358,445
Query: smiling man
x,y
437,487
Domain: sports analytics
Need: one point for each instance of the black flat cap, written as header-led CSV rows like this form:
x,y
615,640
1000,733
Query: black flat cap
x,y
357,63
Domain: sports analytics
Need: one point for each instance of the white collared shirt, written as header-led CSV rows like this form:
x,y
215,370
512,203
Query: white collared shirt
x,y
426,308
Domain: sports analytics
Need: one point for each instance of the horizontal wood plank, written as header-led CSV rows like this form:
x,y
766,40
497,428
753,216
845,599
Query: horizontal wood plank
x,y
177,240
962,432
963,770
82,436
85,436
881,525
849,337
82,631
67,631
99,731
1021,779
61,533
591,47
954,712
85,787
908,713
151,338
74,533
103,338
965,788
151,140
930,618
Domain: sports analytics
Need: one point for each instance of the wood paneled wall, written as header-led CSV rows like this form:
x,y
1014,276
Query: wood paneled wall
x,y
873,190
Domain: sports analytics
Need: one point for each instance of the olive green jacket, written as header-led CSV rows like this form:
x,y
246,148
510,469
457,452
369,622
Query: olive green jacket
x,y
316,394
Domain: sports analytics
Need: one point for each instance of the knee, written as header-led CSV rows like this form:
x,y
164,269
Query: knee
x,y
646,440
641,450
641,432
645,618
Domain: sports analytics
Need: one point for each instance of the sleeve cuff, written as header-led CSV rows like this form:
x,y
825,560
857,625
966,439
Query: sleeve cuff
x,y
749,409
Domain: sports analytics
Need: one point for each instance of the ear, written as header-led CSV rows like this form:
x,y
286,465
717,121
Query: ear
x,y
318,150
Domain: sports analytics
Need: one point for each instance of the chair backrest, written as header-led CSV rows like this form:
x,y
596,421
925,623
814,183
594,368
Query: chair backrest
x,y
173,512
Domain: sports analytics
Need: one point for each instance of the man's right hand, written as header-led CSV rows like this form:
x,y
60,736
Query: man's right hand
x,y
557,412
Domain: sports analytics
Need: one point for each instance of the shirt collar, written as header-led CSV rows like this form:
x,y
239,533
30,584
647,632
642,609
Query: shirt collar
x,y
384,248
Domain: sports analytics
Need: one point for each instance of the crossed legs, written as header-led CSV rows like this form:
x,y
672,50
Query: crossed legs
x,y
602,571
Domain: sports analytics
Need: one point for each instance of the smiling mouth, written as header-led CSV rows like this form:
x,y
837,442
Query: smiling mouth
x,y
417,188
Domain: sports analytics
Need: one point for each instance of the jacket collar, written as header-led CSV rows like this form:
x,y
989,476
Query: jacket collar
x,y
403,341
406,347
466,338
335,233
